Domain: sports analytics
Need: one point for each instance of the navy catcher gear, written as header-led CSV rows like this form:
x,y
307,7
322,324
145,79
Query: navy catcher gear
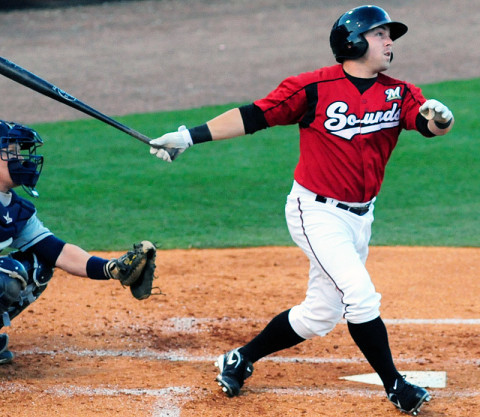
x,y
13,218
37,275
13,279
346,37
18,146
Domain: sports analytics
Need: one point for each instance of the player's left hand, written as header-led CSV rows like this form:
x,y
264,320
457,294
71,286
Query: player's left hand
x,y
169,146
433,109
133,265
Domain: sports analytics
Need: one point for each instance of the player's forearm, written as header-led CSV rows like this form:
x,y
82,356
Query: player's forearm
x,y
73,260
227,125
439,129
439,116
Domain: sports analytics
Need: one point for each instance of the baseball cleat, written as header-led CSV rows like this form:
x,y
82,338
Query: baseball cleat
x,y
234,370
407,397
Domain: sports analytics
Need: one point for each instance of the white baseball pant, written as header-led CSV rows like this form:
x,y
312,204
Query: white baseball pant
x,y
336,243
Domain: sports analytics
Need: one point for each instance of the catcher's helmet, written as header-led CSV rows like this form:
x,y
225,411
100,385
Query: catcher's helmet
x,y
346,37
18,146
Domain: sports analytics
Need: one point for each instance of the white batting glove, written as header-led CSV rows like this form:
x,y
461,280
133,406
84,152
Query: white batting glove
x,y
433,109
170,145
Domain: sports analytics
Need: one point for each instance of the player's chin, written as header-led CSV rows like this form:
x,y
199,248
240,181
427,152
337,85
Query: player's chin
x,y
385,65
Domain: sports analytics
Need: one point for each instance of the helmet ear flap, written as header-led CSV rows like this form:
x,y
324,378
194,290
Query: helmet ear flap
x,y
349,48
357,48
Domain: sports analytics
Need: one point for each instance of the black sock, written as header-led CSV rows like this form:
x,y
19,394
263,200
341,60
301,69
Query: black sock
x,y
277,335
372,339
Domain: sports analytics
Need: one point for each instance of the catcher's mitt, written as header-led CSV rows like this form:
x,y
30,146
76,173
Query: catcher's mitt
x,y
135,269
142,287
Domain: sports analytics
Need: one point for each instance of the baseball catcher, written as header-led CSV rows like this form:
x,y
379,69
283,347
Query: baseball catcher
x,y
26,271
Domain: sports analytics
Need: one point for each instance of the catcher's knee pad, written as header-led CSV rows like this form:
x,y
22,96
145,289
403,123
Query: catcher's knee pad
x,y
38,276
39,273
13,279
10,289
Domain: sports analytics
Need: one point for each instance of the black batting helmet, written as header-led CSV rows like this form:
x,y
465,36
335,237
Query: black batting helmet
x,y
346,38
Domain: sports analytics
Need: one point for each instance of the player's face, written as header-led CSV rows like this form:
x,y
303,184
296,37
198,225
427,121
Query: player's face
x,y
379,52
11,152
6,182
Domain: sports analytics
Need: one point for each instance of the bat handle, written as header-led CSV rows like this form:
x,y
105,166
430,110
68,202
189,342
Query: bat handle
x,y
173,152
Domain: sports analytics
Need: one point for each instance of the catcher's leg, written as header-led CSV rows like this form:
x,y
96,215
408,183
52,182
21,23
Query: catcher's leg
x,y
39,275
10,289
5,355
14,299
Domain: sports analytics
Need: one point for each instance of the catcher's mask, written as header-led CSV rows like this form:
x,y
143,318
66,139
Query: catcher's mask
x,y
346,37
18,146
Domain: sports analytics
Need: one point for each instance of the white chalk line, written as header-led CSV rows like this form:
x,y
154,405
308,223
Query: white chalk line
x,y
183,356
357,392
200,324
167,404
180,394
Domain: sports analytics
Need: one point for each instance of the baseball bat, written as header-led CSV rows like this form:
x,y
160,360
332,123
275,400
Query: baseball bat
x,y
30,80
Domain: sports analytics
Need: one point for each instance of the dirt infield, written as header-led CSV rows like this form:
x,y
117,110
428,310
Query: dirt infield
x,y
89,349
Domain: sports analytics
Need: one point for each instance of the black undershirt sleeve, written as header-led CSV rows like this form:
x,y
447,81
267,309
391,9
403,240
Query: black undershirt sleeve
x,y
253,118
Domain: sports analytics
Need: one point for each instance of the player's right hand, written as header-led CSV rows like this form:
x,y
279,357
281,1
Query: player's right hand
x,y
170,145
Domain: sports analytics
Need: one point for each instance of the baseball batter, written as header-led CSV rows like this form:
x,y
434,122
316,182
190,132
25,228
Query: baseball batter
x,y
350,116
27,270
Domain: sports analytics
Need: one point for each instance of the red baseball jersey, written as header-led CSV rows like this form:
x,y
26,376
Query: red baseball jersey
x,y
346,137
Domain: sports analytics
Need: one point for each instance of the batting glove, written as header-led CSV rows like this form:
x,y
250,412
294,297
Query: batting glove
x,y
433,109
169,146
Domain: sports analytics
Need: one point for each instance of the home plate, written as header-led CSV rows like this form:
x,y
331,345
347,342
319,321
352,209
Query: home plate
x,y
426,379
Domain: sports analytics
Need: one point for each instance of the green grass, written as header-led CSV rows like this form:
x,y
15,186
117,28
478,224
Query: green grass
x,y
431,191
101,189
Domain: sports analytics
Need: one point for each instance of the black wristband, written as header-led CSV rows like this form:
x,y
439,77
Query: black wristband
x,y
443,125
200,134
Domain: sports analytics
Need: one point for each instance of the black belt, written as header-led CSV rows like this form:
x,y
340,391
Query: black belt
x,y
359,211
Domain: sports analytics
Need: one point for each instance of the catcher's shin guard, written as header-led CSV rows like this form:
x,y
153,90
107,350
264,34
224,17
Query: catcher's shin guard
x,y
38,277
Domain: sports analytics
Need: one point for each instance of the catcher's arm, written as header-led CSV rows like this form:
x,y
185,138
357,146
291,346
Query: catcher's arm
x,y
73,260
